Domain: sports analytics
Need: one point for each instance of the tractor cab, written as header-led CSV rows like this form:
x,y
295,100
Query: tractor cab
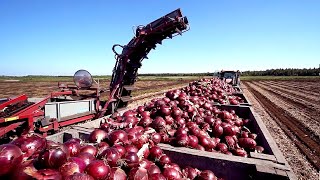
x,y
230,77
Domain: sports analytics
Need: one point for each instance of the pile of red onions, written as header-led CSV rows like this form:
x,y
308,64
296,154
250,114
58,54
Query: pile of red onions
x,y
123,154
125,146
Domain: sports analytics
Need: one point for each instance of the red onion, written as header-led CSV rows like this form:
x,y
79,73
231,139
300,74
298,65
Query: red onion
x,y
112,156
240,152
209,119
73,147
244,134
199,147
140,109
259,149
164,159
176,112
207,175
247,143
172,174
31,144
189,172
204,141
222,147
155,152
97,135
165,110
156,138
10,156
53,156
98,169
229,130
153,169
145,114
89,149
181,131
86,157
131,159
122,150
158,123
217,130
131,148
230,142
80,163
128,113
117,136
182,140
145,121
193,141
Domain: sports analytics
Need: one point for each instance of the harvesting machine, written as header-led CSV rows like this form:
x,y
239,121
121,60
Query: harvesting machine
x,y
82,101
230,76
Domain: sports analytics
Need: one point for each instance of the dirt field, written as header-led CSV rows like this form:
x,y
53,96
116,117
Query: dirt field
x,y
42,89
290,110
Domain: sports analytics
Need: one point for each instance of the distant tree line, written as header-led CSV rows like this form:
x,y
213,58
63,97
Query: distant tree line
x,y
284,72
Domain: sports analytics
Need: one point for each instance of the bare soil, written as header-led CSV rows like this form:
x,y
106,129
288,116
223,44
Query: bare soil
x,y
296,158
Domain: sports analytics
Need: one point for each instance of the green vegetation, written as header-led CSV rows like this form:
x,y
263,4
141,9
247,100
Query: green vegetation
x,y
284,72
284,78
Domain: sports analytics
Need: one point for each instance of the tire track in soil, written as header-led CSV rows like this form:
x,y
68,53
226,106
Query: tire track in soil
x,y
300,88
292,127
307,100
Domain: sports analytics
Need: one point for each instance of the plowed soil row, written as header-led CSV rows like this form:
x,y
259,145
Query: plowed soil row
x,y
300,111
300,88
291,126
304,98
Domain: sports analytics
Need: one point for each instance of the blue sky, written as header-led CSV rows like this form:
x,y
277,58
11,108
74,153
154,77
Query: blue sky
x,y
58,37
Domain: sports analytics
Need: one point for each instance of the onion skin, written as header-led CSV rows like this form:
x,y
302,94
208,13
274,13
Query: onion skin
x,y
10,156
18,172
80,163
138,174
43,174
259,149
79,176
69,168
117,174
